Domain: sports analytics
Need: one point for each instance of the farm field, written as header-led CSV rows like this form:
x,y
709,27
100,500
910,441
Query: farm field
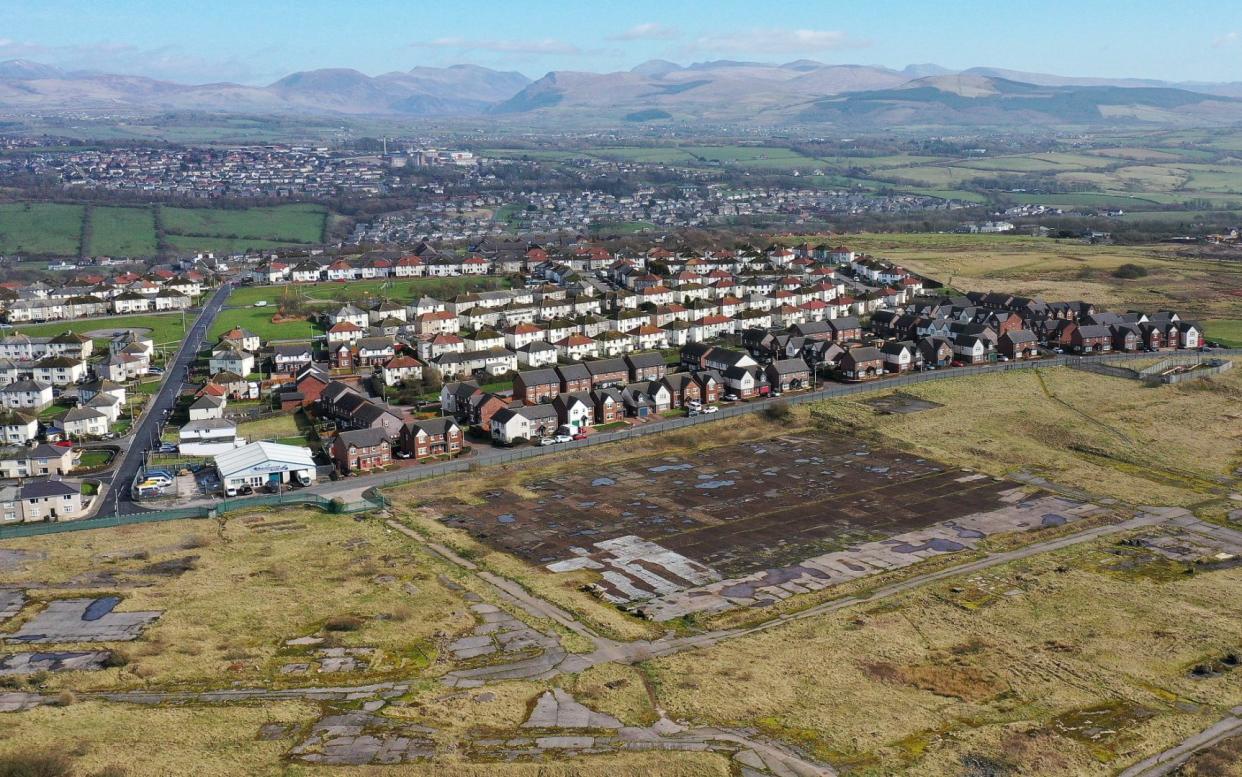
x,y
40,228
122,232
278,224
55,229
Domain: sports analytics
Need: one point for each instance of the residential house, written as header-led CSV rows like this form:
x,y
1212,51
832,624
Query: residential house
x,y
361,450
536,386
647,365
433,437
207,407
788,374
524,423
862,363
26,394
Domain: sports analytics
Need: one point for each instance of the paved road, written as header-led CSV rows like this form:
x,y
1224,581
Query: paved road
x,y
484,454
120,501
1168,761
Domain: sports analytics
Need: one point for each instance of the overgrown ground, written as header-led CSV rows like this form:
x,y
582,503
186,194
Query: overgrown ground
x,y
249,588
1195,285
1169,445
1002,668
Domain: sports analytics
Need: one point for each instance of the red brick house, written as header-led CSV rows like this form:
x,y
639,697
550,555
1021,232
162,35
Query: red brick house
x,y
343,357
609,407
1091,338
361,450
433,437
536,386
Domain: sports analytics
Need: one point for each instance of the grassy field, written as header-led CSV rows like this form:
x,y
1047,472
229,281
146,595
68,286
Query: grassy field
x,y
165,327
995,669
122,232
397,289
1144,445
277,224
56,229
248,591
40,228
1225,331
1067,270
259,321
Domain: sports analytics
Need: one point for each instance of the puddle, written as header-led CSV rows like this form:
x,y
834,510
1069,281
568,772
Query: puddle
x,y
1052,519
597,482
1100,724
715,484
670,467
938,544
506,518
100,607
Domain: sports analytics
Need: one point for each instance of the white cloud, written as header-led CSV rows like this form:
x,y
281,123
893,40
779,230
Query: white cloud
x,y
648,31
542,46
1228,39
772,41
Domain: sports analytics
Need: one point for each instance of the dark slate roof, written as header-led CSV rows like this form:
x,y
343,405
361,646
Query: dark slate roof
x,y
363,438
35,489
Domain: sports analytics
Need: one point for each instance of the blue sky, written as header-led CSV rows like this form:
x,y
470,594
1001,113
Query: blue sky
x,y
258,41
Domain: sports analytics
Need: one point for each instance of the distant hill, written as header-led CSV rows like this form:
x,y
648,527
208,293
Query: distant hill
x,y
724,91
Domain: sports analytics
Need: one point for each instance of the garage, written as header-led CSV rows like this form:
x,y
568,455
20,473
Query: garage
x,y
261,464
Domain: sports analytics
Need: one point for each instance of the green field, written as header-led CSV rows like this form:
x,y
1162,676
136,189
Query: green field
x,y
279,224
398,290
55,229
122,232
259,321
40,228
1226,331
165,327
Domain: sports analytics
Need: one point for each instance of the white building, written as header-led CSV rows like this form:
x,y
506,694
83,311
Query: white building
x,y
261,463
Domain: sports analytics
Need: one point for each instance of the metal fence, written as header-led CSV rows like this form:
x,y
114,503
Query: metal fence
x,y
373,499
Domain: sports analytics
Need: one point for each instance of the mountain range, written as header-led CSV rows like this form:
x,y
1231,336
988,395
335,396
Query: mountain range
x,y
724,91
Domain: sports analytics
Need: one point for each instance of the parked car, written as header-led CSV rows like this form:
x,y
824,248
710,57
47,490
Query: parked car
x,y
580,436
731,397
774,394
167,448
694,404
400,454
261,303
155,370
564,438
711,409
547,441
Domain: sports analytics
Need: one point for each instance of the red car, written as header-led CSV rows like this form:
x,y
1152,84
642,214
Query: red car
x,y
580,436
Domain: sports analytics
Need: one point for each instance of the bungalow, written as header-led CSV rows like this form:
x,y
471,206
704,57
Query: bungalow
x,y
433,437
862,363
648,365
361,450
